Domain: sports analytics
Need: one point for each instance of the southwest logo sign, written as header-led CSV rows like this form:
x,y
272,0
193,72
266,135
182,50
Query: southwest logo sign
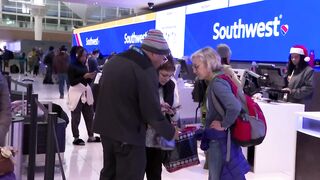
x,y
241,30
284,29
92,41
134,38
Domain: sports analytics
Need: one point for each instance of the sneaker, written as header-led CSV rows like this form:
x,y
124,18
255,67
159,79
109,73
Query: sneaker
x,y
61,97
94,139
78,142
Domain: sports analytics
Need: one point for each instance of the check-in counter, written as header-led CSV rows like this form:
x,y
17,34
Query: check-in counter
x,y
277,152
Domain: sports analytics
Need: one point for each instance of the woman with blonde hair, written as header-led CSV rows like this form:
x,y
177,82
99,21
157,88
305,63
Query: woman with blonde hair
x,y
207,66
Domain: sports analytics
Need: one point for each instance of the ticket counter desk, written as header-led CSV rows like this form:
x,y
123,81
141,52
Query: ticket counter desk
x,y
276,154
308,146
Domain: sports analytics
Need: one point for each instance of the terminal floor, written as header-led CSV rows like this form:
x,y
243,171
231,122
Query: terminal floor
x,y
85,162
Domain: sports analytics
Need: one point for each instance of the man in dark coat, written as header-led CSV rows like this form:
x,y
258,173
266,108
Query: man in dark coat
x,y
48,61
128,101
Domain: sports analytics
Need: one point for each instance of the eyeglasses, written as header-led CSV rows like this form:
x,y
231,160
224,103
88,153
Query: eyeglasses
x,y
165,59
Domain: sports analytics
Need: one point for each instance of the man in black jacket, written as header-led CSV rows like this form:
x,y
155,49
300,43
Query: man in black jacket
x,y
48,61
128,101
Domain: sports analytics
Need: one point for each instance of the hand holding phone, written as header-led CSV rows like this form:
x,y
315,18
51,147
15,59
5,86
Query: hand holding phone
x,y
175,108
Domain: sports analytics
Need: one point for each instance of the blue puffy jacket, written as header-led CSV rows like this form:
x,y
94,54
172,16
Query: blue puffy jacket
x,y
237,166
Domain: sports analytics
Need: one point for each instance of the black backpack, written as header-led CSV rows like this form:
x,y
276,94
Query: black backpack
x,y
14,69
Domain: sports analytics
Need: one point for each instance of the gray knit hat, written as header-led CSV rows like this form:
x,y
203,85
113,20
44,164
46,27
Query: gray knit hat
x,y
155,42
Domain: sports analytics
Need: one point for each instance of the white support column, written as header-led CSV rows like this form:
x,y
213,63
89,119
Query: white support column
x,y
38,11
0,11
38,28
59,14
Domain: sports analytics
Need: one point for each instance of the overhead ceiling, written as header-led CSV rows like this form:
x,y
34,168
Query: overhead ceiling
x,y
138,5
135,4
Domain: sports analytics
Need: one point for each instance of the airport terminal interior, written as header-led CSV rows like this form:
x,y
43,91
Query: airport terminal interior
x,y
263,35
85,162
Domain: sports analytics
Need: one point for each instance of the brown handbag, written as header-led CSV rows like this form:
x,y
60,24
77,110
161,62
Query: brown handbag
x,y
6,165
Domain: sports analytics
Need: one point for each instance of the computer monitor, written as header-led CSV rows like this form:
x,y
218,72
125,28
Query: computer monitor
x,y
271,76
186,71
250,83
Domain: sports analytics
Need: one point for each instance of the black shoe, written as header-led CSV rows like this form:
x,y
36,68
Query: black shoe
x,y
61,97
78,142
94,139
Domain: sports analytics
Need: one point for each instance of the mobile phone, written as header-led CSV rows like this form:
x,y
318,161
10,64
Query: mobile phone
x,y
176,107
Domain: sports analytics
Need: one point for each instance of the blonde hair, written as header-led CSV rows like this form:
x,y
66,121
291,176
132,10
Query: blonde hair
x,y
209,57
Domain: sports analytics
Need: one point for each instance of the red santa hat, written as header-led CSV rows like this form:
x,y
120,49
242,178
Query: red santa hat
x,y
299,49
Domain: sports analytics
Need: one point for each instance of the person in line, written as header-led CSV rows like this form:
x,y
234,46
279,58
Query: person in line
x,y
60,65
94,67
48,61
200,85
93,61
128,101
199,96
36,65
225,53
22,61
6,56
169,99
32,59
299,76
80,98
207,65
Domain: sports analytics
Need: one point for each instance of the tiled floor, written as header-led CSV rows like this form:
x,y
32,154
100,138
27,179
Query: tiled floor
x,y
84,163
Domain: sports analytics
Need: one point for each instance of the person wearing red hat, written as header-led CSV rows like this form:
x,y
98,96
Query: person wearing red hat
x,y
299,75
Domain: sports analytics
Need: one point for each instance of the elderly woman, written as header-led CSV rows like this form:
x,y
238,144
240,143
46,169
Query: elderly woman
x,y
207,66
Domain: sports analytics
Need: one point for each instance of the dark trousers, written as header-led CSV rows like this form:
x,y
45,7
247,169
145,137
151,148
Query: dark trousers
x,y
48,77
63,79
95,92
36,70
122,161
154,163
87,112
21,64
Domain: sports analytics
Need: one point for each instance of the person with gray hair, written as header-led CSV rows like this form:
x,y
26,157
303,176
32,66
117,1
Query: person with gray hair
x,y
225,53
207,66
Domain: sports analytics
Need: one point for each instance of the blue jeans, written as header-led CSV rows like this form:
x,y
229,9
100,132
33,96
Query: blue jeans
x,y
214,160
63,77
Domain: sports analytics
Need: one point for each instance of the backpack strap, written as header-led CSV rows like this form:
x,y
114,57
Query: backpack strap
x,y
238,92
217,104
221,111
